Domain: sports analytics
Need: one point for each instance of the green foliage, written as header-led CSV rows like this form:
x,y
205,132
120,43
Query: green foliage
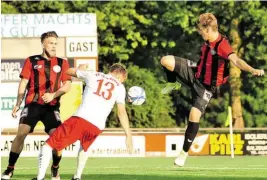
x,y
8,8
139,33
119,34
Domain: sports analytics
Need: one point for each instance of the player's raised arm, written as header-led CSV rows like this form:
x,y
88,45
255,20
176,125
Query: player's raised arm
x,y
72,72
82,72
241,64
123,117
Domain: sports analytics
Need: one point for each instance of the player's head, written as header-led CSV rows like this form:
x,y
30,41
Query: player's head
x,y
49,43
207,25
118,71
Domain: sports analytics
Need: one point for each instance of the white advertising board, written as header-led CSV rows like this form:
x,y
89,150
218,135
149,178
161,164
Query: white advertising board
x,y
33,25
104,146
114,146
174,145
8,100
176,141
10,70
81,46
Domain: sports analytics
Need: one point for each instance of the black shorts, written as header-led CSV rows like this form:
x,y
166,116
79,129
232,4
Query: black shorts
x,y
200,95
33,112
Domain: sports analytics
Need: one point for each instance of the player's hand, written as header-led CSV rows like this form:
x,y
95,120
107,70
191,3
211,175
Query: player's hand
x,y
48,97
258,72
129,144
83,67
14,111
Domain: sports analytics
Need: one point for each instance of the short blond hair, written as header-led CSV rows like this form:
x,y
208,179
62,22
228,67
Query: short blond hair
x,y
48,34
206,20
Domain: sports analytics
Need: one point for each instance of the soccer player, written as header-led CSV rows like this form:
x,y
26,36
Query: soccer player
x,y
101,92
42,76
212,71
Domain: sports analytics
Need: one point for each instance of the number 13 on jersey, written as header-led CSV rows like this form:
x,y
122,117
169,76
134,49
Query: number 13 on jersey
x,y
104,90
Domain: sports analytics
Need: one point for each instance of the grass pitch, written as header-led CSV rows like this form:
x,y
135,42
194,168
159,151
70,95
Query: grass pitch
x,y
196,168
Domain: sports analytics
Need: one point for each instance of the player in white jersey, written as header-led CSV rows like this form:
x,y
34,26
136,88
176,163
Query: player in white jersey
x,y
101,92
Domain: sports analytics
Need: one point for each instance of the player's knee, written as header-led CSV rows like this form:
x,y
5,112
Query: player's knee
x,y
168,62
195,114
164,61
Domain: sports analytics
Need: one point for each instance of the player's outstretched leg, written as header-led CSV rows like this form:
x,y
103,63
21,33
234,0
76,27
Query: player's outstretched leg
x,y
180,160
168,63
55,166
16,148
44,160
54,173
81,161
190,134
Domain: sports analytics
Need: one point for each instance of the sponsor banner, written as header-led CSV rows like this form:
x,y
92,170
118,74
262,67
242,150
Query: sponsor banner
x,y
102,147
174,144
255,143
8,100
114,146
155,144
10,70
69,104
70,101
220,144
32,145
81,47
200,145
33,25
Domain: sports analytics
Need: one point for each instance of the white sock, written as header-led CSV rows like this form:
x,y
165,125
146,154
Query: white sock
x,y
44,160
81,161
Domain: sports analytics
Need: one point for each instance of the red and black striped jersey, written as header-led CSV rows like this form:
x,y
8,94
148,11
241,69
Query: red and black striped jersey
x,y
45,76
213,66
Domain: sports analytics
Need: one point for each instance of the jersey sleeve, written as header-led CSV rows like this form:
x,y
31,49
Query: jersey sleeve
x,y
121,95
225,49
84,75
65,67
26,70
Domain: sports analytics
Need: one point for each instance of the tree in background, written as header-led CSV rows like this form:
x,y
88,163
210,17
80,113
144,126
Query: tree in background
x,y
235,80
140,33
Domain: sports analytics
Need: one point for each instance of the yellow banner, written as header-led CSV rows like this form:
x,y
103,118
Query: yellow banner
x,y
69,102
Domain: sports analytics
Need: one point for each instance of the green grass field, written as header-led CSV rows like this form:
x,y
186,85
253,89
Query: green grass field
x,y
199,168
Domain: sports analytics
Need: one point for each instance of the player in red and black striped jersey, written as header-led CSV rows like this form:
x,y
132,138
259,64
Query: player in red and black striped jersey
x,y
42,76
212,71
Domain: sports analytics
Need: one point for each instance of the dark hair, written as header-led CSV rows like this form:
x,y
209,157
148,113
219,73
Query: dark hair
x,y
48,34
118,69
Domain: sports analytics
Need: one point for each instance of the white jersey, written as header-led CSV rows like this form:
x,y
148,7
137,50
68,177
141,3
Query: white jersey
x,y
100,94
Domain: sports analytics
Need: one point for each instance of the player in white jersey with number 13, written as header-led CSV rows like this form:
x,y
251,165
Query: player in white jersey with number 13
x,y
101,92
